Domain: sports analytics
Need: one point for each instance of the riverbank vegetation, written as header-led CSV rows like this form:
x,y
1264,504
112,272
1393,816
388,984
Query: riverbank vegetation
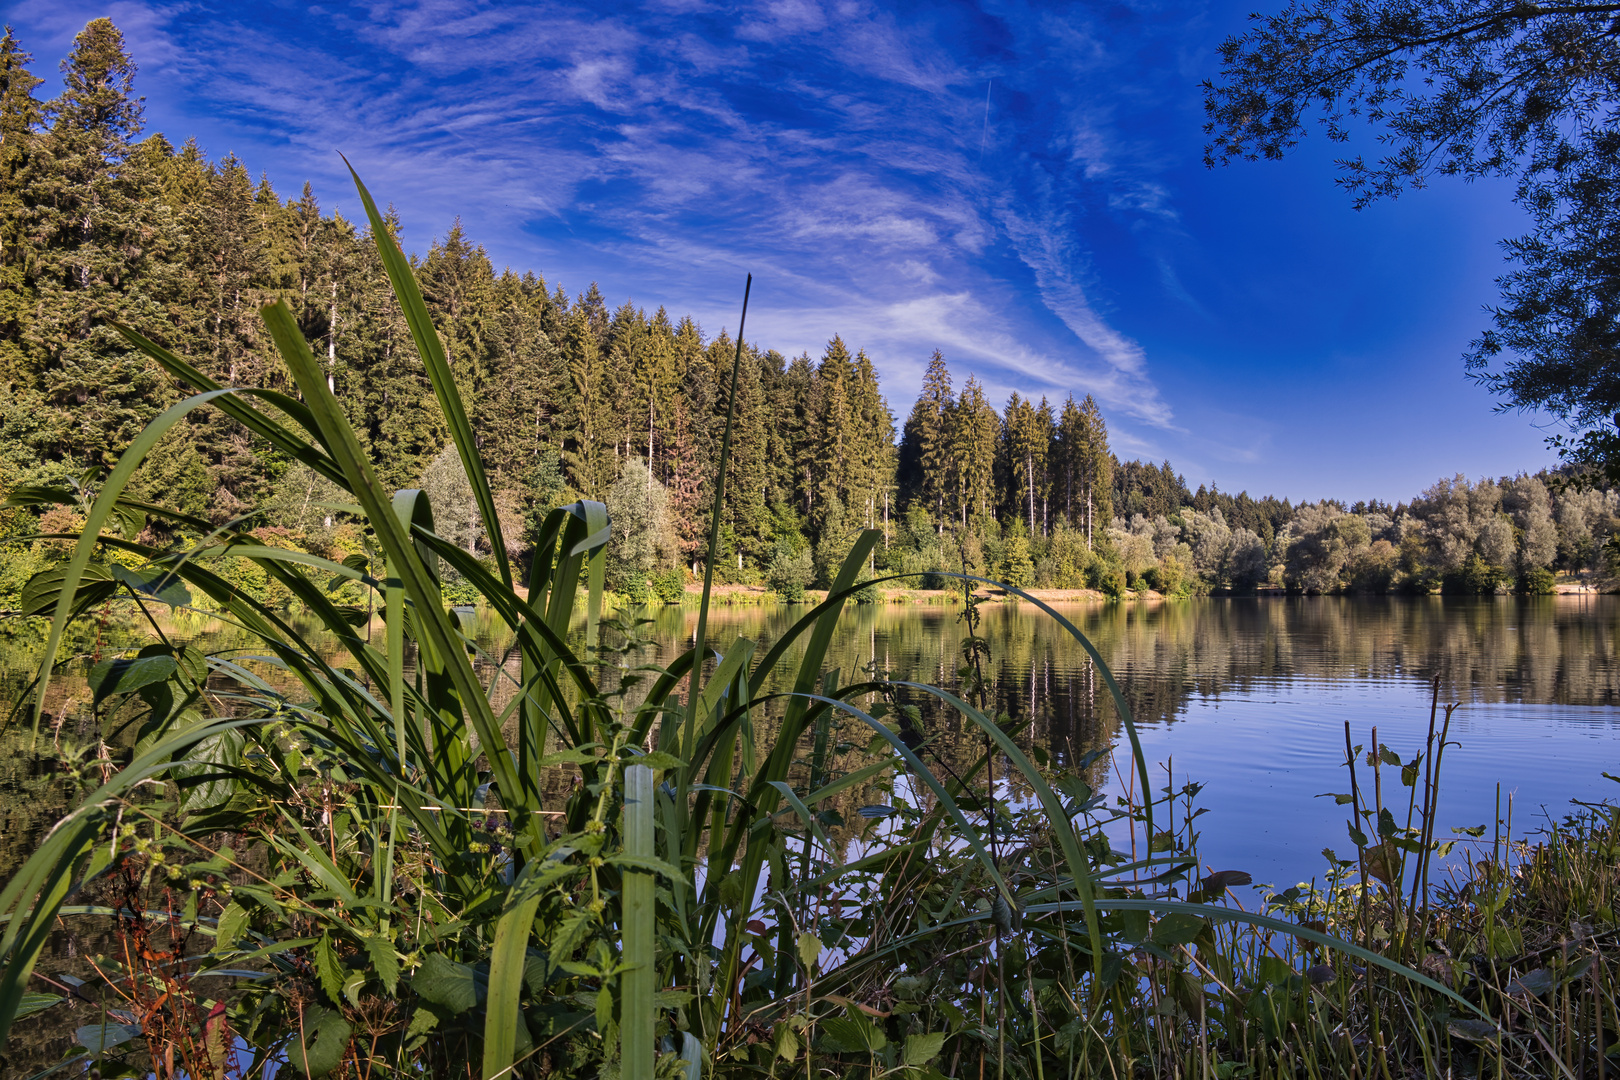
x,y
572,863
574,398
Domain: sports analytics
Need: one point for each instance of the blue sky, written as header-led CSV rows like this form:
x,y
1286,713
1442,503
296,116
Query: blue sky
x,y
1020,186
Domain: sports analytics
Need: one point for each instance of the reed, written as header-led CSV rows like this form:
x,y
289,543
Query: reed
x,y
358,867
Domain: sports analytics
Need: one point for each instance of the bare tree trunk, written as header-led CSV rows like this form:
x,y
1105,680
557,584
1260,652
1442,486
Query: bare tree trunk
x,y
1029,482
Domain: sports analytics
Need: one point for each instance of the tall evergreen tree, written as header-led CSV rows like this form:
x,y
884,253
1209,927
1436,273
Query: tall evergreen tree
x,y
975,430
19,118
98,231
1086,468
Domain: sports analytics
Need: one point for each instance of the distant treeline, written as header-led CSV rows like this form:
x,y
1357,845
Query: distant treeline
x,y
101,223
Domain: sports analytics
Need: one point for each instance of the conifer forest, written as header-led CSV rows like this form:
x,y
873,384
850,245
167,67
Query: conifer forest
x,y
584,396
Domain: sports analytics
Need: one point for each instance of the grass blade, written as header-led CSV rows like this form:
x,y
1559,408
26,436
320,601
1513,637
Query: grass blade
x,y
403,279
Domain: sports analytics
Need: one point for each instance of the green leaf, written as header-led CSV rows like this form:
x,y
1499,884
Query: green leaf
x,y
787,1042
384,960
99,1038
660,761
352,988
127,675
44,590
158,584
454,986
921,1049
431,349
508,959
33,1003
809,949
1535,983
233,921
319,1044
329,969
1177,928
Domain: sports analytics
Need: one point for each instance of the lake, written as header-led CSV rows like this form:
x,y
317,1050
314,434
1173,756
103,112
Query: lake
x,y
1246,696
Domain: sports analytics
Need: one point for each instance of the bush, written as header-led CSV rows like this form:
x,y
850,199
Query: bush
x,y
1167,577
1537,581
1476,577
459,593
669,586
633,588
1016,568
789,571
1108,579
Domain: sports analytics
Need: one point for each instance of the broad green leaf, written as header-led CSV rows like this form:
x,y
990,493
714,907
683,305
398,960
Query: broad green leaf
x,y
99,1038
921,1049
155,583
809,949
44,590
33,1003
455,986
384,960
319,1042
127,675
233,921
1177,928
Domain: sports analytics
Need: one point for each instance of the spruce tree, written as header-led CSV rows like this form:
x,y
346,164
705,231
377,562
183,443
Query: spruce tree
x,y
975,428
99,230
19,121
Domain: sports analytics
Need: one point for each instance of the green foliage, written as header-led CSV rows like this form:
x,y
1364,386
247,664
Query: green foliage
x,y
790,570
1475,577
1108,578
669,586
1015,568
1538,581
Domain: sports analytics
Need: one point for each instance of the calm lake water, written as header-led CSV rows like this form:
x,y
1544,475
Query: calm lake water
x,y
1250,697
1247,696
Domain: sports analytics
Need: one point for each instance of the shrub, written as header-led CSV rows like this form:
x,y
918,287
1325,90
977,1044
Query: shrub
x,y
1537,581
1108,579
1016,568
669,586
1476,577
634,589
1167,577
789,571
459,592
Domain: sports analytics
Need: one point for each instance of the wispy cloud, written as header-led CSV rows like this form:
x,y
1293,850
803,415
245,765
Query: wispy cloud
x,y
834,147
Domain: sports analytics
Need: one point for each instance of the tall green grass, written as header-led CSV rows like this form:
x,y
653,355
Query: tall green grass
x,y
359,870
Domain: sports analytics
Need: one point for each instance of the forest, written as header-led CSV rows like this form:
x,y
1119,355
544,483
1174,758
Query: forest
x,y
104,223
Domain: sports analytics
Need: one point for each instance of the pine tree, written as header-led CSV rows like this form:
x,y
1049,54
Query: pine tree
x,y
933,446
378,374
797,419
